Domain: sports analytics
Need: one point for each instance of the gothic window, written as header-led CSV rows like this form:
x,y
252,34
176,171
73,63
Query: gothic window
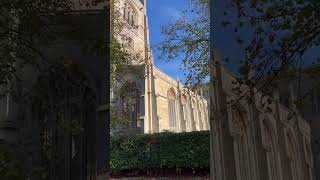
x,y
142,105
172,108
130,96
271,150
241,146
129,14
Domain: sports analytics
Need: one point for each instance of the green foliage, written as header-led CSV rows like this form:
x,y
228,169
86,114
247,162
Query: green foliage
x,y
163,150
188,37
118,118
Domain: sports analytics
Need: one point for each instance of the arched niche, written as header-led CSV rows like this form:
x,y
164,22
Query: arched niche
x,y
172,110
171,94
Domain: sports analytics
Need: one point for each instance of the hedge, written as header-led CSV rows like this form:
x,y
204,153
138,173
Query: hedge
x,y
160,151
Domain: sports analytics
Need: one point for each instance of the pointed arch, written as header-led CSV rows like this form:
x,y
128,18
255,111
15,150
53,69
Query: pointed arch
x,y
130,13
130,93
171,94
172,113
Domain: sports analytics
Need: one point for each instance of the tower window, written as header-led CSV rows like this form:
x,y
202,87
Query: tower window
x,y
129,15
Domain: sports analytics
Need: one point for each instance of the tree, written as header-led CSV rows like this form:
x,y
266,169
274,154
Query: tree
x,y
281,34
189,37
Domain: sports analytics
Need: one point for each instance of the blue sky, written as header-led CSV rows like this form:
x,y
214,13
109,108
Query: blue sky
x,y
160,12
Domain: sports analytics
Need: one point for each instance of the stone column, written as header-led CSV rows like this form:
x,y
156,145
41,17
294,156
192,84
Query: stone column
x,y
147,114
181,116
199,112
284,160
193,125
155,121
151,116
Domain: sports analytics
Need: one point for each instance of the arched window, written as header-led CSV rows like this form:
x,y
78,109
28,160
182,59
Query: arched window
x,y
270,145
172,108
130,93
241,146
129,14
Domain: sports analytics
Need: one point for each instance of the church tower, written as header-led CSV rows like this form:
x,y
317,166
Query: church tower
x,y
134,35
131,16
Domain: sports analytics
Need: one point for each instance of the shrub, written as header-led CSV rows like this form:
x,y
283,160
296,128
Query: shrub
x,y
160,151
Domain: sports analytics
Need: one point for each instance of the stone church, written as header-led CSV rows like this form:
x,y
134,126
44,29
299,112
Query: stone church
x,y
249,141
162,103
